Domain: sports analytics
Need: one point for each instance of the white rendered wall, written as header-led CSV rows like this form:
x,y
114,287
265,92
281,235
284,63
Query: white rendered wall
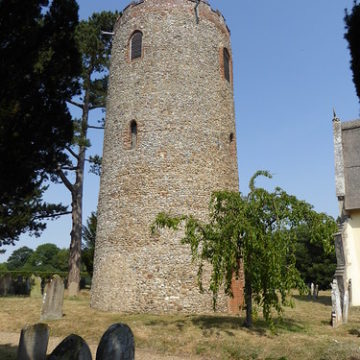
x,y
352,254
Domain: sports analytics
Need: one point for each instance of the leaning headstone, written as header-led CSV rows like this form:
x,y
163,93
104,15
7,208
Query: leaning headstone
x,y
35,286
312,289
116,343
33,342
73,347
53,299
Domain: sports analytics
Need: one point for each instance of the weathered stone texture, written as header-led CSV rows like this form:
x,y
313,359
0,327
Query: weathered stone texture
x,y
185,149
351,151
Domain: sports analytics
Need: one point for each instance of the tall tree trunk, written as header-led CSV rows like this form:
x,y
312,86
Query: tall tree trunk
x,y
75,243
77,197
248,302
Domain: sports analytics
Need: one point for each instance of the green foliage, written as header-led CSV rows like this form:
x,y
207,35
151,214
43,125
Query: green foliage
x,y
352,35
19,258
258,229
25,213
89,236
43,258
39,64
47,258
313,262
61,260
95,164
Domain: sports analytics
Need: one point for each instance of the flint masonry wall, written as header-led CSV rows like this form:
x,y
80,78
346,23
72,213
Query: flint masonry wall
x,y
185,149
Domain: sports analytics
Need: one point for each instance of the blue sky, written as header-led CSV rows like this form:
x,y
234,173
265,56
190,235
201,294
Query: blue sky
x,y
291,67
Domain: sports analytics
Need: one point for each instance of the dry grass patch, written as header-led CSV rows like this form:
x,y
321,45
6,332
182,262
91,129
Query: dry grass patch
x,y
303,333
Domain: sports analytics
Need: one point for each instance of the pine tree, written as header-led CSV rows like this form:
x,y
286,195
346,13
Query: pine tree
x,y
95,52
39,66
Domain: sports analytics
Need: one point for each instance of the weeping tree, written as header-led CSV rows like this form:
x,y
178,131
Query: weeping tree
x,y
258,230
352,35
95,51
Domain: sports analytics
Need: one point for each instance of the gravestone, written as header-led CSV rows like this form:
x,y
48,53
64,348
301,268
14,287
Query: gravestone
x,y
35,286
316,291
33,342
336,311
53,299
117,343
6,285
73,347
312,289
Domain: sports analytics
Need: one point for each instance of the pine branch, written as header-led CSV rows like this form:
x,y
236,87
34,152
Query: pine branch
x,y
76,156
79,105
93,107
65,180
69,168
52,215
96,127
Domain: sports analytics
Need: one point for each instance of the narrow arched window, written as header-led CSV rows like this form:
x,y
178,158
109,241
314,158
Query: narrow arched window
x,y
231,137
226,56
133,134
136,45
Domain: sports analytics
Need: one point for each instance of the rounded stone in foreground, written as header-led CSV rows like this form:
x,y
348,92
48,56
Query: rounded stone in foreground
x,y
117,343
73,347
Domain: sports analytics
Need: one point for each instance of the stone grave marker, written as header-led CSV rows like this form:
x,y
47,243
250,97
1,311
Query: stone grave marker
x,y
53,299
33,342
336,311
73,347
116,343
35,286
6,285
316,291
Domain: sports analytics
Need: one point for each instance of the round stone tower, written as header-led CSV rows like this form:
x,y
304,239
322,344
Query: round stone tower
x,y
169,143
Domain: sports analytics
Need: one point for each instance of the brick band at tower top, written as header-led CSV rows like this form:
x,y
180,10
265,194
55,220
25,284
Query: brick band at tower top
x,y
169,143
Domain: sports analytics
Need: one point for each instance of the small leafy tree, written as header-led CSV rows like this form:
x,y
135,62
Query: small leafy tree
x,y
258,230
352,35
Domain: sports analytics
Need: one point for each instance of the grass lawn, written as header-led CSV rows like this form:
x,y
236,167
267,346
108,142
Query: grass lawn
x,y
303,333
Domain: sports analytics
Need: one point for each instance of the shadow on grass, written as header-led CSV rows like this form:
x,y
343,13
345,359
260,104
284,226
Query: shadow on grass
x,y
212,324
260,327
355,332
323,299
8,352
180,324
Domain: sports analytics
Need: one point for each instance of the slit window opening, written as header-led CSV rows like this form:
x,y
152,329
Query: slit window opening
x,y
226,64
136,45
133,134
